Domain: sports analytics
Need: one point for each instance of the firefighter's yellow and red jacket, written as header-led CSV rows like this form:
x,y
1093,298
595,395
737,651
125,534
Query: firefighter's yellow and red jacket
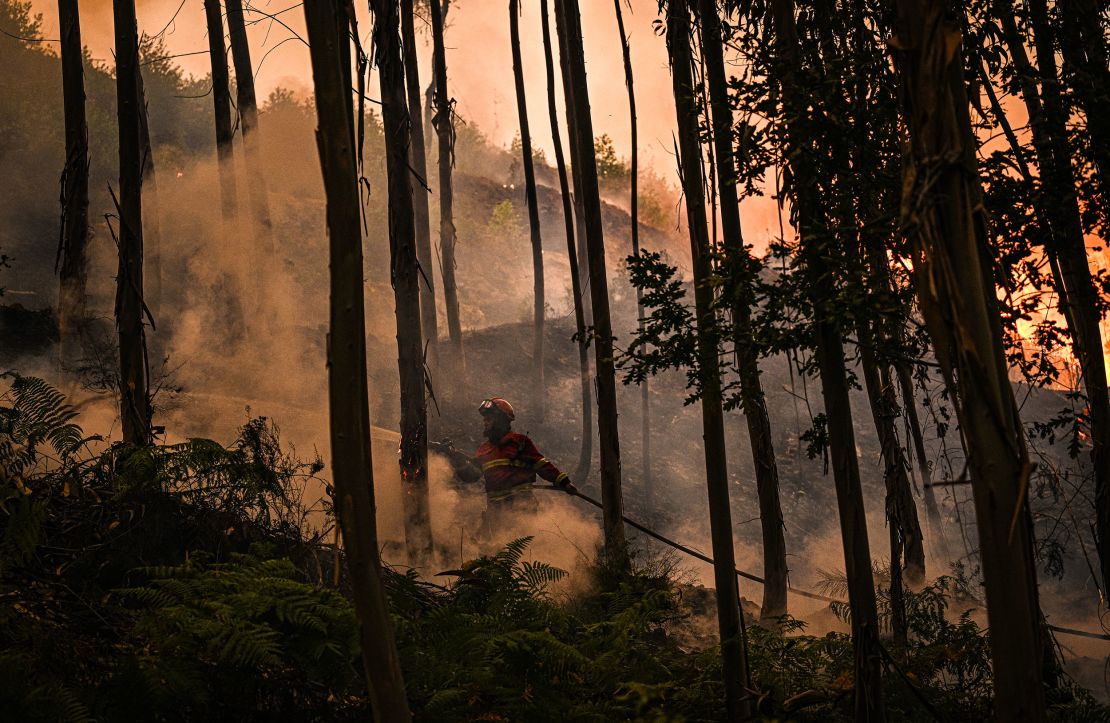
x,y
511,465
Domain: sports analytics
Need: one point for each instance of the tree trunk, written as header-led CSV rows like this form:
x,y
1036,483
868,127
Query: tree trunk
x,y
418,157
538,387
634,200
1059,205
1083,45
444,123
134,393
352,464
406,284
582,471
942,212
733,644
752,398
72,261
817,264
152,229
569,27
221,102
262,227
938,540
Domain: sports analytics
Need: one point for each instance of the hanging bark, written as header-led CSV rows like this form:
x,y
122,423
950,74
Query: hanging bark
x,y
418,158
943,217
134,393
538,387
406,284
569,28
221,102
582,471
72,261
1059,206
818,261
349,418
733,644
444,123
753,400
248,120
633,210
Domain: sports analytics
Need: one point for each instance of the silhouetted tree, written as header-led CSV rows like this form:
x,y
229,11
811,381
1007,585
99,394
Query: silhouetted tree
x,y
348,399
72,261
405,272
134,393
582,471
580,124
539,390
752,399
221,102
418,157
733,645
942,215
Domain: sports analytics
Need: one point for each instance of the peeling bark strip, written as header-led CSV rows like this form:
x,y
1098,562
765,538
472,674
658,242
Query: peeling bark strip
x,y
444,124
348,398
569,28
418,156
248,119
815,252
943,217
134,393
72,261
753,401
539,389
733,644
406,284
221,103
585,455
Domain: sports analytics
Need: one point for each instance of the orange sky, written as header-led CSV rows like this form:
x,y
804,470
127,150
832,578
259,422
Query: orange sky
x,y
479,65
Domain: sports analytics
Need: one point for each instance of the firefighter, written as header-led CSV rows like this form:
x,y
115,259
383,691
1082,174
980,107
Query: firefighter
x,y
508,462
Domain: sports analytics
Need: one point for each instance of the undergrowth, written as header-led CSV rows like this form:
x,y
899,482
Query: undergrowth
x,y
184,582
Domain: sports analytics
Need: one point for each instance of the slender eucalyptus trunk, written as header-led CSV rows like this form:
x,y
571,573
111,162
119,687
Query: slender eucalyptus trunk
x,y
569,28
938,539
152,229
444,124
413,453
134,393
753,400
418,157
348,398
733,644
221,102
818,260
1059,205
1083,46
262,226
72,260
942,215
634,212
582,471
538,387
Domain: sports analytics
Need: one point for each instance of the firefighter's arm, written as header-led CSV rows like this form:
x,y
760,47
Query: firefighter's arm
x,y
461,462
544,467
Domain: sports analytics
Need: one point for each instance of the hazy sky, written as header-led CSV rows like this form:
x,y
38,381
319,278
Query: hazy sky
x,y
479,65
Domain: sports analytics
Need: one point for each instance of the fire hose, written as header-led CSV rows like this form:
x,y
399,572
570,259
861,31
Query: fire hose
x,y
756,578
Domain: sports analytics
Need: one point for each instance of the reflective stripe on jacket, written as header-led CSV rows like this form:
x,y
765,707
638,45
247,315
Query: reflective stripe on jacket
x,y
512,462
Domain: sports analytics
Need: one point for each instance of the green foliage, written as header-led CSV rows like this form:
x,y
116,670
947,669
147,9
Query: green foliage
x,y
610,168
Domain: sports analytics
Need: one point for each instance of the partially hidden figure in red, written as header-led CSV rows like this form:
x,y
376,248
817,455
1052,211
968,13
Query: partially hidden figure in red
x,y
508,462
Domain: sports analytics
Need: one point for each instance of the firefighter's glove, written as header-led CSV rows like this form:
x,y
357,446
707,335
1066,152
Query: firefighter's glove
x,y
568,487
